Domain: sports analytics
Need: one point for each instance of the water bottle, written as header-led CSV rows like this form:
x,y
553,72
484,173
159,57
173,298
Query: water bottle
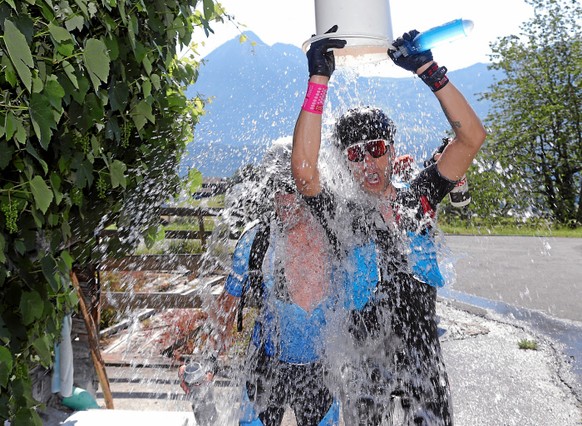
x,y
202,392
428,39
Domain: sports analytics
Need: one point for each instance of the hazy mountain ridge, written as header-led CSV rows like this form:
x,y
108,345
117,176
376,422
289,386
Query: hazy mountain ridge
x,y
257,92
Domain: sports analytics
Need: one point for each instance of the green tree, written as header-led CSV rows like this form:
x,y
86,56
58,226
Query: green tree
x,y
496,193
93,123
535,132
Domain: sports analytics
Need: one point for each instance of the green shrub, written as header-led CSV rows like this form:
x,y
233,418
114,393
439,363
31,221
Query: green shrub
x,y
528,344
93,123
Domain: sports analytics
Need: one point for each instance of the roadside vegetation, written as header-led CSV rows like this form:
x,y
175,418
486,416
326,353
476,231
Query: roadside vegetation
x,y
508,226
527,344
94,122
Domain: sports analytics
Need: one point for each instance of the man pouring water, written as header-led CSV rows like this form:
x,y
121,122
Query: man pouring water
x,y
391,320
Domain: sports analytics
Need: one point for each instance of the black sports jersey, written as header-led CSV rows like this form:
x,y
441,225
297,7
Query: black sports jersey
x,y
395,332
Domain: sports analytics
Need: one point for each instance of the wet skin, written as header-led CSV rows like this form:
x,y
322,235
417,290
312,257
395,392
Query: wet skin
x,y
306,257
374,174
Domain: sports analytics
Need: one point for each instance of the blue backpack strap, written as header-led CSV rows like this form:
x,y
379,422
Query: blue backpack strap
x,y
255,274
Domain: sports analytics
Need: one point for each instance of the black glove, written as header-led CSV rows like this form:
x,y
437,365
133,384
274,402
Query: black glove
x,y
403,56
320,59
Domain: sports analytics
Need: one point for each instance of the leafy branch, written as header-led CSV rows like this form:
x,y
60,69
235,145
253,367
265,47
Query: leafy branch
x,y
93,124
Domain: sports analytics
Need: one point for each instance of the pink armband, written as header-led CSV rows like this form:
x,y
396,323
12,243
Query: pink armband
x,y
315,98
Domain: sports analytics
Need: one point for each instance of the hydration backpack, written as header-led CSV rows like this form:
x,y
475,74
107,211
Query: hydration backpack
x,y
254,286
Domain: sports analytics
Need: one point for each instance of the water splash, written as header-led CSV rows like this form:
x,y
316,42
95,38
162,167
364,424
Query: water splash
x,y
249,199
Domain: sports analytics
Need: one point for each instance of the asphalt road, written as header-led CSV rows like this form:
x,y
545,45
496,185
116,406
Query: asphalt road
x,y
539,273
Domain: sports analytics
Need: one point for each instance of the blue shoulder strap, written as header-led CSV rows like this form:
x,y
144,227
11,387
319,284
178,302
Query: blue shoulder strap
x,y
255,273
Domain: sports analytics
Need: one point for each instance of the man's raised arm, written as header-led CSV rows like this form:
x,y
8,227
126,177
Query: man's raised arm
x,y
469,132
307,133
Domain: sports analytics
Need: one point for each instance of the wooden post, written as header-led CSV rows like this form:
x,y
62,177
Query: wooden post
x,y
201,230
94,345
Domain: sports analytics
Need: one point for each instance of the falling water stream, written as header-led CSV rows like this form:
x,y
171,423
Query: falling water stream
x,y
371,356
246,201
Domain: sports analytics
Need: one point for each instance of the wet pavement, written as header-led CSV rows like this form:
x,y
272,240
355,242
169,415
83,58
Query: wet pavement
x,y
538,273
537,280
504,290
493,381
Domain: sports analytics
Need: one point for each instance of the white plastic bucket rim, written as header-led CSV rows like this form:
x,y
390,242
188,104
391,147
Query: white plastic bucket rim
x,y
359,49
353,40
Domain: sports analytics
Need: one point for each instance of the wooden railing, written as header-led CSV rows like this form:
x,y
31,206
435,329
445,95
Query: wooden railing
x,y
161,300
198,213
189,263
178,263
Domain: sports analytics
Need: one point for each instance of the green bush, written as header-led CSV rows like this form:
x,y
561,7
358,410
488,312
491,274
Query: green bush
x,y
93,123
527,344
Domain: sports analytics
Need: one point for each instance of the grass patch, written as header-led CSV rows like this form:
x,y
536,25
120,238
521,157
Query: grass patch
x,y
508,226
527,344
189,224
184,247
214,202
171,246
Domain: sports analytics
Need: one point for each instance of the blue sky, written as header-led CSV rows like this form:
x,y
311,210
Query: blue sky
x,y
293,22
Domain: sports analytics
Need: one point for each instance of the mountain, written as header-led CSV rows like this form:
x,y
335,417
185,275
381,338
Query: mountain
x,y
256,91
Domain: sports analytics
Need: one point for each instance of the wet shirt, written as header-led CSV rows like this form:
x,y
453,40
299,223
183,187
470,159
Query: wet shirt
x,y
389,326
372,251
284,329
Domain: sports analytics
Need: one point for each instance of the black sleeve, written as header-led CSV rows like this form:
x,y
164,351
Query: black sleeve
x,y
416,206
432,185
321,205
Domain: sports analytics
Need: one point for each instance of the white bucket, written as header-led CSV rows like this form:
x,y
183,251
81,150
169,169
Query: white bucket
x,y
366,25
